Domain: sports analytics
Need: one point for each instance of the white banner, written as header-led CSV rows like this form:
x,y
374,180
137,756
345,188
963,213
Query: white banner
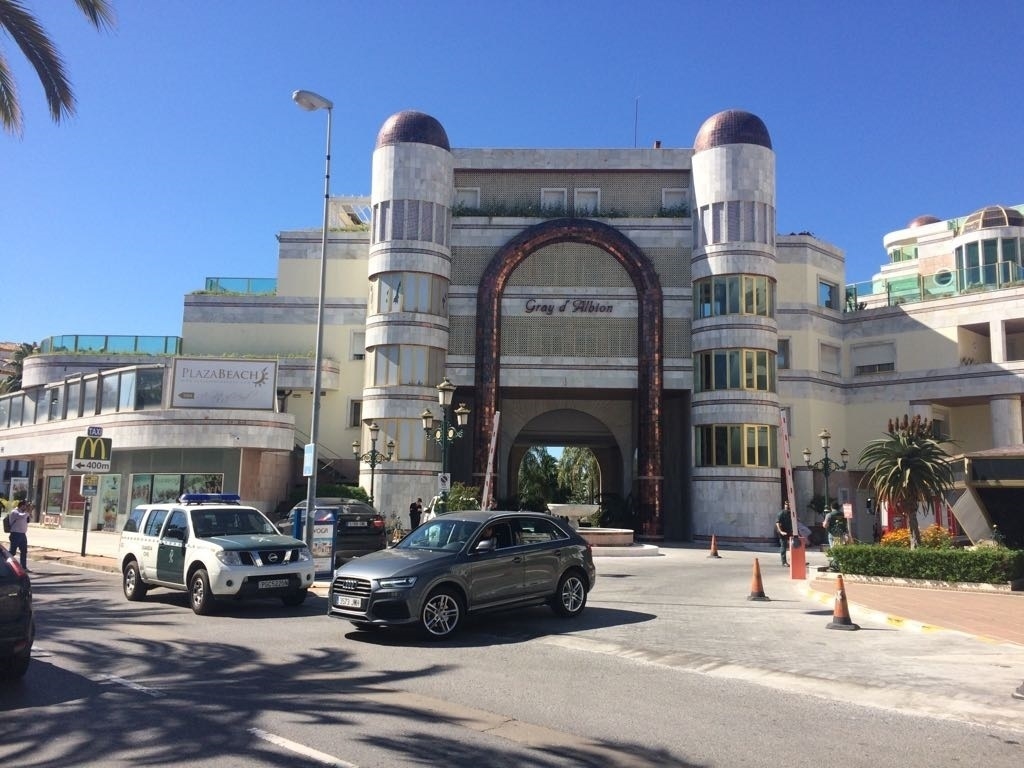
x,y
217,383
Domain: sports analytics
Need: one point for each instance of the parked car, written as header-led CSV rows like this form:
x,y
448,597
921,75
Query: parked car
x,y
212,547
360,528
466,562
17,623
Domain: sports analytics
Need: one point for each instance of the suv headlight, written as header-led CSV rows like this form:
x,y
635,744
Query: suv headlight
x,y
398,582
229,557
305,555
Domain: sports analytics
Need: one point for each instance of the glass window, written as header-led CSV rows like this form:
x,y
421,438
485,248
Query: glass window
x,y
109,398
155,521
588,200
89,397
355,413
752,445
149,388
782,358
553,199
127,399
74,398
828,295
5,412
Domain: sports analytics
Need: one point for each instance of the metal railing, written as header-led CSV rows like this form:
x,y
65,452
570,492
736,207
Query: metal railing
x,y
257,286
114,345
891,292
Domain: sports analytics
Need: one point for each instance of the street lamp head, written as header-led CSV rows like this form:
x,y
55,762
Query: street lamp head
x,y
374,431
311,101
807,456
355,448
391,449
845,455
428,420
825,436
445,392
461,415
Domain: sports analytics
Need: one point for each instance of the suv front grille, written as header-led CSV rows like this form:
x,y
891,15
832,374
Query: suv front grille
x,y
263,557
344,585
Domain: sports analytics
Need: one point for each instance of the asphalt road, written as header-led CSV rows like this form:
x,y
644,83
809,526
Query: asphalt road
x,y
670,665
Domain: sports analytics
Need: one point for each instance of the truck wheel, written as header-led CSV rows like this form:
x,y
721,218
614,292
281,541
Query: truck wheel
x,y
199,593
134,587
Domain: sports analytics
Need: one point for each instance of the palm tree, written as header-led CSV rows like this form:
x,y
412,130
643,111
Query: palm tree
x,y
579,474
908,466
13,366
538,479
42,54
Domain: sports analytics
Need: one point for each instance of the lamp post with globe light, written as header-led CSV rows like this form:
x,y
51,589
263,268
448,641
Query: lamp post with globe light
x,y
826,465
373,457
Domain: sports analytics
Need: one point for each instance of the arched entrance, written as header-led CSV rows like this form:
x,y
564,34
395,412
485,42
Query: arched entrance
x,y
565,427
649,393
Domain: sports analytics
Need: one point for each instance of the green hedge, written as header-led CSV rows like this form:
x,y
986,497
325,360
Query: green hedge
x,y
989,565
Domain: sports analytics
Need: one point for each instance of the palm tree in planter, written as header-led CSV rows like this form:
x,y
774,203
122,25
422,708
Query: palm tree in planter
x,y
906,467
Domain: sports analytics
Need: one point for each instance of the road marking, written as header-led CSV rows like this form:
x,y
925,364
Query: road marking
x,y
300,749
129,684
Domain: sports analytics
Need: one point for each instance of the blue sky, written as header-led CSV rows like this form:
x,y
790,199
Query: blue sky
x,y
187,155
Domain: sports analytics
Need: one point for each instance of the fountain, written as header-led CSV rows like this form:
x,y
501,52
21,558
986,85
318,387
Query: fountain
x,y
596,537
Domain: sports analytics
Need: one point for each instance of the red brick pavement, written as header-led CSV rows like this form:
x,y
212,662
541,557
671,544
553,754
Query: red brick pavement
x,y
997,616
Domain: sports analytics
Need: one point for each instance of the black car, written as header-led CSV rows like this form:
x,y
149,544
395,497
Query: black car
x,y
466,562
17,625
360,529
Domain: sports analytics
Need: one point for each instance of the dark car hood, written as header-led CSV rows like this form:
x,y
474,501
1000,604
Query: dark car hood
x,y
395,562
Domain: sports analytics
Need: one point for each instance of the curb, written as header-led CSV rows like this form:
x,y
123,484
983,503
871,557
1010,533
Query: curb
x,y
897,622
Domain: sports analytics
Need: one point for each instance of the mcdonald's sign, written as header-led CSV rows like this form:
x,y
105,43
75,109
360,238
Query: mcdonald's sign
x,y
92,454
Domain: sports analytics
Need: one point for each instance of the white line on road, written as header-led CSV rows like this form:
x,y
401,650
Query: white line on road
x,y
300,749
129,684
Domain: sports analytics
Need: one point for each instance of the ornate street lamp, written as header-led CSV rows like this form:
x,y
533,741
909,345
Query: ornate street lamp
x,y
311,102
373,457
826,465
446,432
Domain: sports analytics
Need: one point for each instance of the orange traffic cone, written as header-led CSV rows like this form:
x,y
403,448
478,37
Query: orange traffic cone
x,y
756,588
714,547
841,613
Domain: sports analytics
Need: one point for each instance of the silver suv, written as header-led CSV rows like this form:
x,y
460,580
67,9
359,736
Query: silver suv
x,y
212,547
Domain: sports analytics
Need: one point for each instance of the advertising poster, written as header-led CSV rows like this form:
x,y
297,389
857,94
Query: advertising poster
x,y
54,501
108,501
210,483
142,490
166,488
19,487
323,547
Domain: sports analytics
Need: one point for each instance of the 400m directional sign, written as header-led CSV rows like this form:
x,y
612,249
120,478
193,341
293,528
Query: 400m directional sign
x,y
92,454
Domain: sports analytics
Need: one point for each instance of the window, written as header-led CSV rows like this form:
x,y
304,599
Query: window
x,y
828,356
74,399
734,295
727,445
355,413
89,396
467,197
408,292
735,369
553,199
782,356
392,364
828,294
154,522
149,388
873,358
588,201
109,396
358,345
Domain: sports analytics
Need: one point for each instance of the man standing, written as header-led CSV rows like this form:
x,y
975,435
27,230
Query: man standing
x,y
19,531
415,510
784,529
835,526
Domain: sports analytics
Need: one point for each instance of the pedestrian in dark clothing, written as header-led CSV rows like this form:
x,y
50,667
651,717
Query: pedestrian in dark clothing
x,y
415,511
19,531
784,529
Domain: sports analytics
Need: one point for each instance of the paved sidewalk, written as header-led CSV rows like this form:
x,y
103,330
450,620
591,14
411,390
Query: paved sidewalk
x,y
997,616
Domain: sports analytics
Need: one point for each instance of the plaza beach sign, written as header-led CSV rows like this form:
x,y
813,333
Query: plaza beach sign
x,y
220,383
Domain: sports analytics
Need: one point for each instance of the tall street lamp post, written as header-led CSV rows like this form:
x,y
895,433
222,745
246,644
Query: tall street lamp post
x,y
826,465
447,432
373,457
311,101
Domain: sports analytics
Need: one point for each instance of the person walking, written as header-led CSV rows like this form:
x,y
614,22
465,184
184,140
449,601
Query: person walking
x,y
783,530
415,512
19,531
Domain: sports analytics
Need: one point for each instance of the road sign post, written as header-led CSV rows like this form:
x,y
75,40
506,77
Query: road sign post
x,y
92,454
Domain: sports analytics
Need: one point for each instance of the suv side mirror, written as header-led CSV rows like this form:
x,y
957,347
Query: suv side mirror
x,y
485,545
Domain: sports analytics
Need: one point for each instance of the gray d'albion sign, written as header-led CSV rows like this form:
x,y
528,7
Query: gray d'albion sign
x,y
212,383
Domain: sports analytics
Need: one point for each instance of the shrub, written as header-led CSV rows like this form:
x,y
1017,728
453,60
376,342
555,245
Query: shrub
x,y
983,566
936,537
900,537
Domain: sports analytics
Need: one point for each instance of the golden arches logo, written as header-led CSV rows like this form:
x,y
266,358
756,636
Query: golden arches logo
x,y
93,448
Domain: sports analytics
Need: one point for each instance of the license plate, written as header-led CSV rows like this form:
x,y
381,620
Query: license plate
x,y
343,601
356,523
273,583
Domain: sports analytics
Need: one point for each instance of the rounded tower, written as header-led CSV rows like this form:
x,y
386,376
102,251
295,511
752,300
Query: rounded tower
x,y
735,405
407,310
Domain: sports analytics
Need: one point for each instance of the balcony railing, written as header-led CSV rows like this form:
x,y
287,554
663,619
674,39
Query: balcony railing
x,y
939,285
113,345
256,286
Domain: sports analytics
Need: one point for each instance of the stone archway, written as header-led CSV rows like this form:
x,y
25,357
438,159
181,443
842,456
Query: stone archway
x,y
649,348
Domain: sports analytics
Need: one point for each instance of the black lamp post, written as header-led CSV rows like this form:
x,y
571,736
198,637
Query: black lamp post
x,y
826,465
446,432
373,457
